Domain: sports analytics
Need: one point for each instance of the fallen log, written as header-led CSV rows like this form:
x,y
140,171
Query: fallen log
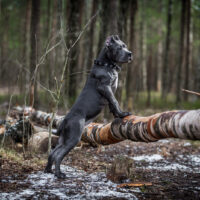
x,y
183,124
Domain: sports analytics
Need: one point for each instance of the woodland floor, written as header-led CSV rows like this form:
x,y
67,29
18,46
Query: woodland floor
x,y
172,166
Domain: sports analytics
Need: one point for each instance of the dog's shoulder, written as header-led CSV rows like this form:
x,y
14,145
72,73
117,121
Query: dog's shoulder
x,y
99,72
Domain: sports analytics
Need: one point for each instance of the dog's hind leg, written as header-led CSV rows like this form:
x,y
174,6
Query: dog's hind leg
x,y
71,137
48,168
51,158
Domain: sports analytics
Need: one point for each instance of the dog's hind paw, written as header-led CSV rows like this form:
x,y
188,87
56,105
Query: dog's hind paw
x,y
60,175
48,171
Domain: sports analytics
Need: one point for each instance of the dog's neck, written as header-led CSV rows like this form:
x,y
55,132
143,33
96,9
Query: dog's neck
x,y
104,60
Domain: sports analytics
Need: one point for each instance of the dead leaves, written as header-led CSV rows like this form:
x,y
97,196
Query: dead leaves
x,y
136,184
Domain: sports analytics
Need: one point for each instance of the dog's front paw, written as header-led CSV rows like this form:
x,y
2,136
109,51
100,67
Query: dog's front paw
x,y
124,114
60,175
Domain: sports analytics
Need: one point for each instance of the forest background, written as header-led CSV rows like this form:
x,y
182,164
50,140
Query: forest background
x,y
164,36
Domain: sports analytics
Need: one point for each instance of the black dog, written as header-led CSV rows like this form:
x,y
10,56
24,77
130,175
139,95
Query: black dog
x,y
98,91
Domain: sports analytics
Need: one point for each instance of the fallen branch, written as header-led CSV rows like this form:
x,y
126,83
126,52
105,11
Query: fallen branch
x,y
191,92
181,124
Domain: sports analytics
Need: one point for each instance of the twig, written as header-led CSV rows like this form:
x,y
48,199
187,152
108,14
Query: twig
x,y
191,92
52,93
41,60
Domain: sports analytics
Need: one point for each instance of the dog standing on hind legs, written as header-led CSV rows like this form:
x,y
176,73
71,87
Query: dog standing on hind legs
x,y
98,91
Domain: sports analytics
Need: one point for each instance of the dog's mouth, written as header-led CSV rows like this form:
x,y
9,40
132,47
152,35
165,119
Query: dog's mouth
x,y
130,59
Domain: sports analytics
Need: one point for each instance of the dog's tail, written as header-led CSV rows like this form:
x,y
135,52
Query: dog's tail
x,y
60,128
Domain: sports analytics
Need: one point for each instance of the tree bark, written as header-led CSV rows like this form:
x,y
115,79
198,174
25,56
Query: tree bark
x,y
52,55
149,76
187,55
132,71
35,18
73,28
165,70
104,17
181,52
91,36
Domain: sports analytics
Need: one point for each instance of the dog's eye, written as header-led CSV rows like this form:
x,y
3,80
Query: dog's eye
x,y
123,45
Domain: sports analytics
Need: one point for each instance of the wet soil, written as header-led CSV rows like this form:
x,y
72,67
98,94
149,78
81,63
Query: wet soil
x,y
172,166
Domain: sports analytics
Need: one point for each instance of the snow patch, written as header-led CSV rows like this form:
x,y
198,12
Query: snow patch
x,y
187,144
174,166
148,158
195,159
77,185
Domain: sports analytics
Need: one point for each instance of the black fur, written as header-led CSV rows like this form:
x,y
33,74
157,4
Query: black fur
x,y
98,91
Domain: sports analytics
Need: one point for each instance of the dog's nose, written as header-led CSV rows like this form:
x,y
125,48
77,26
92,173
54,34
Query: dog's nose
x,y
130,53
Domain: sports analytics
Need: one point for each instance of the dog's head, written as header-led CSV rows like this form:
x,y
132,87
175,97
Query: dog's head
x,y
117,50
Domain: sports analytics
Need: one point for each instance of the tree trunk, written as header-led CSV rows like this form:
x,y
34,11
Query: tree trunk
x,y
81,48
123,32
181,52
149,76
91,36
143,48
52,54
26,50
73,28
35,19
187,55
165,70
4,40
113,15
132,75
24,76
104,17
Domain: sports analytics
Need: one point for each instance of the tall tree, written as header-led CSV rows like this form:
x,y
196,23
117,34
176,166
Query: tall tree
x,y
4,37
187,53
35,19
113,25
124,13
149,76
73,28
165,70
104,17
142,30
26,42
181,52
91,36
53,32
132,71
81,48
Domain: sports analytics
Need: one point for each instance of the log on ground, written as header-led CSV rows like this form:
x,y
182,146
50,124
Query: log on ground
x,y
183,124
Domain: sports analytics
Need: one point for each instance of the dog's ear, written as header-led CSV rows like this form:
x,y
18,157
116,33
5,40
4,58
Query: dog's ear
x,y
116,37
110,40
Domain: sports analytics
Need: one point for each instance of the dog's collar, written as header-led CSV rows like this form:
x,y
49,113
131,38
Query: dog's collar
x,y
112,65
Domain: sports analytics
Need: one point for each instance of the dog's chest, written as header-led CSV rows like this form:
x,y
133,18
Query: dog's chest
x,y
114,80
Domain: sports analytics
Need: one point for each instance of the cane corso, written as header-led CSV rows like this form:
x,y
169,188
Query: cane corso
x,y
98,91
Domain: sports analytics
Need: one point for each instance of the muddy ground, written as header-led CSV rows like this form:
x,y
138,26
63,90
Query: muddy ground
x,y
171,166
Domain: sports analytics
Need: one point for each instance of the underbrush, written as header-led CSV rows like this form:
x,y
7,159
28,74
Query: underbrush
x,y
36,161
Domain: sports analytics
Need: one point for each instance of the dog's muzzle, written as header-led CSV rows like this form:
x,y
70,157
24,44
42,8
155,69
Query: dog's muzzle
x,y
130,57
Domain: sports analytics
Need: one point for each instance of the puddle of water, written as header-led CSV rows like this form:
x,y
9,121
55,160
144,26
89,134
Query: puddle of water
x,y
77,185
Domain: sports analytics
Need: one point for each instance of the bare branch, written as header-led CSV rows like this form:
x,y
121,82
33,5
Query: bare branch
x,y
191,92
